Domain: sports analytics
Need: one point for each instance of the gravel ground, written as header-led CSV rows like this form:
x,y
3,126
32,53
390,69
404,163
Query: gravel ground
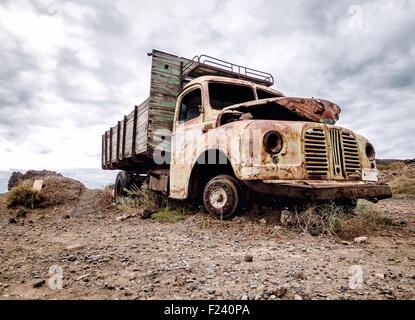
x,y
102,257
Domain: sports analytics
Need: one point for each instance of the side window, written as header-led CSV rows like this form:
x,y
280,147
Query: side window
x,y
189,108
265,94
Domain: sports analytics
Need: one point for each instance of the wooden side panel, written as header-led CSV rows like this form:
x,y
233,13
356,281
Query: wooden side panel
x,y
165,86
129,135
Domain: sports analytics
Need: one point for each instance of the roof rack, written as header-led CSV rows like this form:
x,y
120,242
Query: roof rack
x,y
204,64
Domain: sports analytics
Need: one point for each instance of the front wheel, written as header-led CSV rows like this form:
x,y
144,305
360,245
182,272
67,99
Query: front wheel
x,y
222,196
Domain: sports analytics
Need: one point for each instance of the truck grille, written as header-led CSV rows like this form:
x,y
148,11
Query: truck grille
x,y
316,152
351,153
340,150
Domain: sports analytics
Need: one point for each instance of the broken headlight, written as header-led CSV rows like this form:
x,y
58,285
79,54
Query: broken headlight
x,y
370,152
272,142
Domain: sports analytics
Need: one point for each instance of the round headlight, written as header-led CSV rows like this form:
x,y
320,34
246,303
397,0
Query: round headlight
x,y
273,142
370,152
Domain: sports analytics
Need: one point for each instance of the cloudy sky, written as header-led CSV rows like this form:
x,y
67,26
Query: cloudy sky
x,y
71,69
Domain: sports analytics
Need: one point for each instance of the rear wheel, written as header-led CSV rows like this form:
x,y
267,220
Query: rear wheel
x,y
122,182
222,196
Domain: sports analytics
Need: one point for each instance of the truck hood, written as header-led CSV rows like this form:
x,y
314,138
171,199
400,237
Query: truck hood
x,y
318,110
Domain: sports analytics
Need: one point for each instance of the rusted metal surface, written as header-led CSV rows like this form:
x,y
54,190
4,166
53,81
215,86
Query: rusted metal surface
x,y
312,158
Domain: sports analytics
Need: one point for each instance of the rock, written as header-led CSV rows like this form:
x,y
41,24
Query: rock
x,y
299,276
248,258
71,258
280,291
146,214
244,297
179,281
360,239
21,213
211,291
38,283
298,297
109,286
287,218
263,221
257,297
380,276
75,247
84,277
123,217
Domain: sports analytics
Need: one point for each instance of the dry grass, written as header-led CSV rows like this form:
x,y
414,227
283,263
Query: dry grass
x,y
106,198
403,185
334,221
165,209
391,166
24,195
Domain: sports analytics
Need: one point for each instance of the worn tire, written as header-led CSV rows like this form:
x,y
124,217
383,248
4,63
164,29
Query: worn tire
x,y
222,196
122,182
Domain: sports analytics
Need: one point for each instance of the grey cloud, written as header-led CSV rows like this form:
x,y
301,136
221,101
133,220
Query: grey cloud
x,y
305,44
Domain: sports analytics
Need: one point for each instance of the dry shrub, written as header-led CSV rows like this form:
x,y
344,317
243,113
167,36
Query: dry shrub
x,y
24,195
141,198
403,185
396,165
165,209
333,220
106,198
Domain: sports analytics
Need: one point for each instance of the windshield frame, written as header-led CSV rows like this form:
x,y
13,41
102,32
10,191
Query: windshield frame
x,y
253,89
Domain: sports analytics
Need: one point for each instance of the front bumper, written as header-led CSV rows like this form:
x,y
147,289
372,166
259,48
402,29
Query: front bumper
x,y
320,190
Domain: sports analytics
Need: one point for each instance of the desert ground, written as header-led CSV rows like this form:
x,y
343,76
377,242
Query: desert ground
x,y
101,252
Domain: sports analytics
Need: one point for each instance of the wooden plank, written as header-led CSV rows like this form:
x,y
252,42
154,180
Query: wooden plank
x,y
123,136
106,148
118,140
102,153
110,148
134,129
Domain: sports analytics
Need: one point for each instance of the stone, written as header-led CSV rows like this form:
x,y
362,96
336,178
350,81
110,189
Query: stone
x,y
263,221
380,276
211,291
280,292
244,297
287,218
71,258
298,297
248,258
75,247
145,214
360,239
38,284
21,213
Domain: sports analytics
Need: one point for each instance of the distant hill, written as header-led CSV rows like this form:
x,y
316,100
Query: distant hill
x,y
92,178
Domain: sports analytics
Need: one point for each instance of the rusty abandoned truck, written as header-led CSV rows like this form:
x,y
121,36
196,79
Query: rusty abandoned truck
x,y
217,131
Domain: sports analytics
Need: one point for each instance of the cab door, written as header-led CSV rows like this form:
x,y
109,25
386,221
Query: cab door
x,y
187,138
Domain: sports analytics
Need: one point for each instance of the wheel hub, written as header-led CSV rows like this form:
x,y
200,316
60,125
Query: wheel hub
x,y
218,198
